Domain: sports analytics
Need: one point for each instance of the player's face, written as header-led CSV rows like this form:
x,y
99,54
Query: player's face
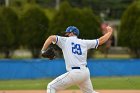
x,y
67,34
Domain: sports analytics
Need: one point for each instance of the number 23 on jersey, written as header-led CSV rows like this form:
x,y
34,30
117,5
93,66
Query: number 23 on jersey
x,y
76,49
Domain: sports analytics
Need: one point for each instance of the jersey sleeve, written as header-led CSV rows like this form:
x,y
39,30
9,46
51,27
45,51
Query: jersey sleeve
x,y
60,41
92,43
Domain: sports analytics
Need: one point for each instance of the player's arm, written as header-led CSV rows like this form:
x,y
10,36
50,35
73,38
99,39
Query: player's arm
x,y
49,40
106,36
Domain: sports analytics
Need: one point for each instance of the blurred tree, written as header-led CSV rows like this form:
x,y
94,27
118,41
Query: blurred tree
x,y
17,3
2,2
9,31
46,3
84,19
34,29
62,19
90,24
129,34
112,9
21,3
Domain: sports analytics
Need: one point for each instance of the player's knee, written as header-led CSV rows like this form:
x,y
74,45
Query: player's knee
x,y
50,88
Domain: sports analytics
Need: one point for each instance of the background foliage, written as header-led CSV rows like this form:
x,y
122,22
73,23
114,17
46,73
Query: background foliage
x,y
129,35
84,19
9,37
27,23
34,29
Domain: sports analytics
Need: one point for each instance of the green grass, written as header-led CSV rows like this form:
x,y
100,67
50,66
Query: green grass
x,y
117,83
24,84
99,83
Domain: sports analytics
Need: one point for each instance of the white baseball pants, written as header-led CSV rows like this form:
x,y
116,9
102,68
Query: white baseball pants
x,y
79,77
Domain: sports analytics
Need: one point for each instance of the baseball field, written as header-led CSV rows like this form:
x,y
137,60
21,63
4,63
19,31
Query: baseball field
x,y
101,84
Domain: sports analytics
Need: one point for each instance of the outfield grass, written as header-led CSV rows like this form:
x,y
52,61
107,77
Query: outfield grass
x,y
99,83
117,83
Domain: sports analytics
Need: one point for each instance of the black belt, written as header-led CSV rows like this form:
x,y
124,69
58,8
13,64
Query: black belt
x,y
76,67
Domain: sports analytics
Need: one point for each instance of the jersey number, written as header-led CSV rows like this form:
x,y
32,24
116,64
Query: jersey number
x,y
76,49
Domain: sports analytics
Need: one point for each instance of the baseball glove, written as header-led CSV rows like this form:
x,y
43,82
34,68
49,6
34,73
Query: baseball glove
x,y
49,53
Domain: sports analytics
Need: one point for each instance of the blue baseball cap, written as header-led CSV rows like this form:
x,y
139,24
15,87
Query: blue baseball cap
x,y
73,29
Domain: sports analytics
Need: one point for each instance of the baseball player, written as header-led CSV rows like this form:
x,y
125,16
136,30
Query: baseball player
x,y
75,55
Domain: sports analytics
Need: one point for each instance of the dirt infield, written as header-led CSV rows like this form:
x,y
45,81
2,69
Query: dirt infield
x,y
69,91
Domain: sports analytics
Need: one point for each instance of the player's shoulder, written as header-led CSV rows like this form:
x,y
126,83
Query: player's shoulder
x,y
60,36
85,41
63,37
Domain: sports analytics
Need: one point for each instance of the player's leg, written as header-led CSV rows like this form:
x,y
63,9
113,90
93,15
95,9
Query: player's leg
x,y
66,80
59,83
86,86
